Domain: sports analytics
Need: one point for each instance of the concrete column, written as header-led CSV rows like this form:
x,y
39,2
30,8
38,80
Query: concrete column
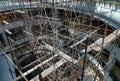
x,y
111,64
5,38
109,67
27,22
27,25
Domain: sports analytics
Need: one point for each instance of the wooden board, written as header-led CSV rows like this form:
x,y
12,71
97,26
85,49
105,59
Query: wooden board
x,y
65,56
52,68
103,43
